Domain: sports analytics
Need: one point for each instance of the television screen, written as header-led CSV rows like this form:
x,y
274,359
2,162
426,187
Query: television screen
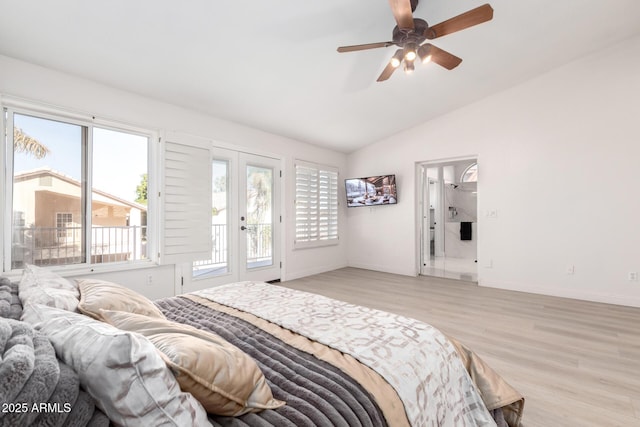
x,y
371,191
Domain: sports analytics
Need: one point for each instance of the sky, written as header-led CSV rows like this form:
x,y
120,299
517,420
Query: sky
x,y
119,159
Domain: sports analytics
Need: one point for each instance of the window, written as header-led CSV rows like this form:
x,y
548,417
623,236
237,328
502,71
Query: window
x,y
470,174
78,191
64,224
316,205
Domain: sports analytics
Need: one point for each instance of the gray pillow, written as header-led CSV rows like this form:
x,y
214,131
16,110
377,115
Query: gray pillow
x,y
41,286
121,370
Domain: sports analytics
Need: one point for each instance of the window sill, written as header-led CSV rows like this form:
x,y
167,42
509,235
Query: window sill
x,y
82,270
315,244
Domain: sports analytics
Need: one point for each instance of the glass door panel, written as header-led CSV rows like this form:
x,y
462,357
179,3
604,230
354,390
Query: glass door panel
x,y
218,263
259,216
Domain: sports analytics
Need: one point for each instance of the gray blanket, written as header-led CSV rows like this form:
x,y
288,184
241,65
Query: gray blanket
x,y
10,306
317,393
37,389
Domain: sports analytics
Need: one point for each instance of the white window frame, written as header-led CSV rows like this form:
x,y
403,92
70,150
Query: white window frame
x,y
316,176
24,107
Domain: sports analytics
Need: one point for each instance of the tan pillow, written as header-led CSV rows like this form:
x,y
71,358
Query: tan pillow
x,y
121,370
100,294
222,377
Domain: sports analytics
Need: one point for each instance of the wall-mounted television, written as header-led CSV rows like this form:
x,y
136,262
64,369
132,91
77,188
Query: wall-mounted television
x,y
371,191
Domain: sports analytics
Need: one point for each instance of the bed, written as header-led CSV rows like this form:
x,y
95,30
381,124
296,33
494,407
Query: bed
x,y
253,354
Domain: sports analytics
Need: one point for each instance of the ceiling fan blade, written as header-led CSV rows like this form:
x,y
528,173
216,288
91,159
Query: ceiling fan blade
x,y
439,56
386,73
389,69
401,10
357,47
468,19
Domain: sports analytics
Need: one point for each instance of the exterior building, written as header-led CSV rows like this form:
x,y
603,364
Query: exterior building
x,y
48,222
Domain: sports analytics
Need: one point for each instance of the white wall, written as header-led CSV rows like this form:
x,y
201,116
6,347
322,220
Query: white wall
x,y
559,160
35,83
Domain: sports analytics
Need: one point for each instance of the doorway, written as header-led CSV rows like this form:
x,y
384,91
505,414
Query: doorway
x,y
449,212
245,222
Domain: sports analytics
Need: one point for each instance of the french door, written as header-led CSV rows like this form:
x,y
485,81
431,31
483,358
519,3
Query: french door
x,y
259,217
245,222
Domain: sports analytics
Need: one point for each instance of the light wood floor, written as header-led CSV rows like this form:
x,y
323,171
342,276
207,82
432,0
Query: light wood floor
x,y
577,363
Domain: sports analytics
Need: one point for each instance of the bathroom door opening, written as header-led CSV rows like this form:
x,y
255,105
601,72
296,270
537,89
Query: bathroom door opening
x,y
449,212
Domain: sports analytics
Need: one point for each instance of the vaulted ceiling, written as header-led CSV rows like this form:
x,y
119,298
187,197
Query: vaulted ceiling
x,y
273,65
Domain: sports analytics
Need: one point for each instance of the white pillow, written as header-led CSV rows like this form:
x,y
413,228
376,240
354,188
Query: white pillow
x,y
121,370
41,286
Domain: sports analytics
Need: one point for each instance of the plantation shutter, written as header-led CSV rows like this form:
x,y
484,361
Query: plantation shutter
x,y
328,204
316,204
186,200
306,203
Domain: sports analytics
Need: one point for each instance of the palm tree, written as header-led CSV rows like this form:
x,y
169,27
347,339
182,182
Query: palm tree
x,y
23,143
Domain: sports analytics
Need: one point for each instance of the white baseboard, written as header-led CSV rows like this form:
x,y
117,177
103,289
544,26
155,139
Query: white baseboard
x,y
382,269
578,294
287,275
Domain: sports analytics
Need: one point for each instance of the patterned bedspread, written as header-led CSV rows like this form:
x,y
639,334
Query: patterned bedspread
x,y
316,392
414,357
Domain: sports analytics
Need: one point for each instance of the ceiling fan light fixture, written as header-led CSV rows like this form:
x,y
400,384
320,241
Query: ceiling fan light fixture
x,y
426,59
409,67
410,51
396,59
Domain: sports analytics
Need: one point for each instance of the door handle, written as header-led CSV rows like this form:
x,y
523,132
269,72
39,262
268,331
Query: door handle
x,y
243,228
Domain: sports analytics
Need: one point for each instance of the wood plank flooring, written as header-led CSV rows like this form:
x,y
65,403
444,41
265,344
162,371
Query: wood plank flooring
x,y
577,363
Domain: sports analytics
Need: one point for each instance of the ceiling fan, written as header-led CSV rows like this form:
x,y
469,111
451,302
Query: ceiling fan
x,y
411,32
